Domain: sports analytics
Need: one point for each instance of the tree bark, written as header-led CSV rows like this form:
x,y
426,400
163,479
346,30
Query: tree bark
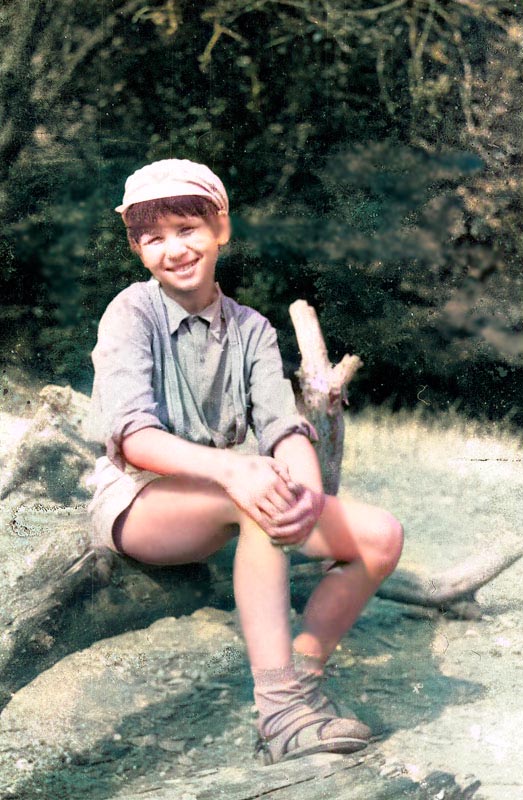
x,y
323,388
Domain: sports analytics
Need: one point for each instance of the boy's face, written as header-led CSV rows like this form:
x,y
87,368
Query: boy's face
x,y
181,253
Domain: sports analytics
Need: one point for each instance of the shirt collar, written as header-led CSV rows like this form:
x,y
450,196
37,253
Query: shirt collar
x,y
211,314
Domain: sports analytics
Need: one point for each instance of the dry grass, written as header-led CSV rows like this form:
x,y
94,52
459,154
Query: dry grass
x,y
455,484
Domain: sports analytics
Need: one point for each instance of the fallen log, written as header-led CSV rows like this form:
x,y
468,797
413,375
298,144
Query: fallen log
x,y
63,580
320,777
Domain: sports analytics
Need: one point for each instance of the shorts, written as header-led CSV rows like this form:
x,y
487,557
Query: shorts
x,y
115,491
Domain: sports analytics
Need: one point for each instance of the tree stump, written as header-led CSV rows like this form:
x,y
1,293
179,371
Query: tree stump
x,y
324,389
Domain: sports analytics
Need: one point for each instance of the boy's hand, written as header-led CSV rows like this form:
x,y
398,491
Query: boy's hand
x,y
261,486
294,525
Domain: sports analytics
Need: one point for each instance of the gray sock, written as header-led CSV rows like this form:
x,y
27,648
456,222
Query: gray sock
x,y
309,671
280,701
275,690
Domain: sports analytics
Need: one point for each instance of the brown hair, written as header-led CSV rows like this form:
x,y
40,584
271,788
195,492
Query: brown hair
x,y
139,218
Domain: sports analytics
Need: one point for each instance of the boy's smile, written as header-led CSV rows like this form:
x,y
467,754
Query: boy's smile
x,y
181,253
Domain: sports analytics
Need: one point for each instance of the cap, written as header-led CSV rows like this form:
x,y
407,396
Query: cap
x,y
174,177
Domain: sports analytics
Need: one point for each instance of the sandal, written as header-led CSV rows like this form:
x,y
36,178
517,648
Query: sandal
x,y
318,701
304,733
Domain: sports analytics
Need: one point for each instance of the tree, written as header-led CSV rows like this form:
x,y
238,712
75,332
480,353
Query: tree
x,y
58,76
282,98
419,272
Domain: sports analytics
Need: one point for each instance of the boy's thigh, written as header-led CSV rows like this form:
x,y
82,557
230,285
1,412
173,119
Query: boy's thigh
x,y
176,521
349,529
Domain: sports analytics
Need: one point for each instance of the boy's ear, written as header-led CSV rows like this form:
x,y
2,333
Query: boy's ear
x,y
224,229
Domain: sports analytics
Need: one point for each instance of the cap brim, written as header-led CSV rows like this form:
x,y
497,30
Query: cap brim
x,y
188,189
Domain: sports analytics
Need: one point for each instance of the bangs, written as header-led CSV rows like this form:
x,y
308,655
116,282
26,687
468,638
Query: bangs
x,y
141,217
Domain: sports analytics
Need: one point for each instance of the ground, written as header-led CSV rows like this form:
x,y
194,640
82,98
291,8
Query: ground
x,y
166,712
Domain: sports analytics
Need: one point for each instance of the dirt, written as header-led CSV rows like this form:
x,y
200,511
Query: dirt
x,y
171,706
167,712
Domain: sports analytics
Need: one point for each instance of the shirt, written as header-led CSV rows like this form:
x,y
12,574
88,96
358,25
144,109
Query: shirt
x,y
201,349
144,359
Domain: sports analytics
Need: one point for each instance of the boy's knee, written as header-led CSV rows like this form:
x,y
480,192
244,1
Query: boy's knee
x,y
388,545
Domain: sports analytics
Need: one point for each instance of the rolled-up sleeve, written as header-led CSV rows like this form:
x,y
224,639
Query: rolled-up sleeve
x,y
273,413
123,398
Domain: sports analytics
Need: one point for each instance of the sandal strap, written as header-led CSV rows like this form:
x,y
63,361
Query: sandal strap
x,y
297,718
298,722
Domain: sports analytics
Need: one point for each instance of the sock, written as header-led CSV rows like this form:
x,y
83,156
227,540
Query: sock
x,y
309,671
279,699
274,691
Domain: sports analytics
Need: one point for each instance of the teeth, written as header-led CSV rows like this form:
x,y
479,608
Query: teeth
x,y
183,270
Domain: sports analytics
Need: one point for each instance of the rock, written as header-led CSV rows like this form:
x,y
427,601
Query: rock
x,y
51,454
98,702
314,778
149,740
172,745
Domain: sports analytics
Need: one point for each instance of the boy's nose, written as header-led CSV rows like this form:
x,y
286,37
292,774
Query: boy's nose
x,y
174,247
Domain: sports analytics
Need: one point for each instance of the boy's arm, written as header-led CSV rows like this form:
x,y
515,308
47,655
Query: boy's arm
x,y
273,413
256,484
298,455
123,400
286,435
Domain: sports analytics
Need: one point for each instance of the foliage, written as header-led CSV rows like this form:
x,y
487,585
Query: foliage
x,y
370,148
398,279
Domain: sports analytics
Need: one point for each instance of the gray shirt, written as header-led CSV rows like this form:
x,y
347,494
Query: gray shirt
x,y
200,347
203,377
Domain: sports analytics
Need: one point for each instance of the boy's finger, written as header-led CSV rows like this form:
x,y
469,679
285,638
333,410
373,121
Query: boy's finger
x,y
279,505
283,472
281,469
282,490
269,508
295,540
290,516
289,523
301,509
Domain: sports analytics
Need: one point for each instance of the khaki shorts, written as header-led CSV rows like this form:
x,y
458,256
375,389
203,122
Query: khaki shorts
x,y
115,491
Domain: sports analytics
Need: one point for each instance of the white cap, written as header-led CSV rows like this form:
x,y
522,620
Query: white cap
x,y
174,177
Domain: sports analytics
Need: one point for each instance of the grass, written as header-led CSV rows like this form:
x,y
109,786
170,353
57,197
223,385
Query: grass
x,y
455,484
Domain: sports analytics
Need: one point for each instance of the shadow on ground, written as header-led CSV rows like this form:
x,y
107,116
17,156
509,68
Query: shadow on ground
x,y
384,670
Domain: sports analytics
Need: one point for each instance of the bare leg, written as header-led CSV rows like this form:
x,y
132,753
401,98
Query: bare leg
x,y
261,590
369,539
173,521
176,521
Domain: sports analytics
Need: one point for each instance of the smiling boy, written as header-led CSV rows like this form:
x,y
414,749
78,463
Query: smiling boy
x,y
181,371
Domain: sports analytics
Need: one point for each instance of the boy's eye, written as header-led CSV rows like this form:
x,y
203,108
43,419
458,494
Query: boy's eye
x,y
151,239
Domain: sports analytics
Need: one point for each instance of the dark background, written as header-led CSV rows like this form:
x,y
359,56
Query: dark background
x,y
372,152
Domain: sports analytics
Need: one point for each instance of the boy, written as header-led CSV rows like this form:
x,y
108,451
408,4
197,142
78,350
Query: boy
x,y
180,371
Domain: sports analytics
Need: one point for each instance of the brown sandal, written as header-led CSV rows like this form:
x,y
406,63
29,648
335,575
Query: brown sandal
x,y
305,732
318,701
